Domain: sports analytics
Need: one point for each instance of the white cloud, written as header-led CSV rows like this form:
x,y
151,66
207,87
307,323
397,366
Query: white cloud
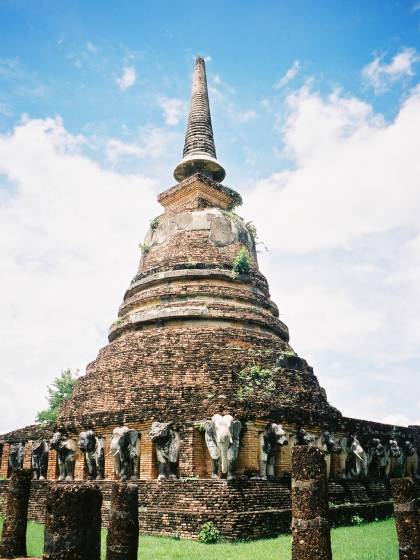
x,y
348,162
396,419
152,143
91,47
243,116
127,79
290,75
344,237
68,250
5,110
172,110
381,76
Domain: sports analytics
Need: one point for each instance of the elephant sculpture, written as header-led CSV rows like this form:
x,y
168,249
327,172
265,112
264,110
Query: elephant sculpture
x,y
303,438
167,443
356,461
377,459
93,448
16,455
222,439
40,451
125,452
327,443
271,439
411,460
343,457
394,459
66,449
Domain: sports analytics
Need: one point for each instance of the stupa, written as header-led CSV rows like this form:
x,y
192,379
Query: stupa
x,y
197,335
189,323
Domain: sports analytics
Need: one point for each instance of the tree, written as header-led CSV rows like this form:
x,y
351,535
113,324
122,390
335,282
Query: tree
x,y
60,390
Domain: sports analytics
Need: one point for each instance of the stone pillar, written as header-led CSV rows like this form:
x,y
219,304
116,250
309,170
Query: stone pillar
x,y
185,467
407,518
310,525
27,458
73,522
80,468
123,529
52,471
148,462
4,466
13,543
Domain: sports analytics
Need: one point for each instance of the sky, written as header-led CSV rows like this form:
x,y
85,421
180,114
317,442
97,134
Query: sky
x,y
316,115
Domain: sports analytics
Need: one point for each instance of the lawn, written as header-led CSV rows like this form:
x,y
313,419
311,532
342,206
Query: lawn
x,y
369,541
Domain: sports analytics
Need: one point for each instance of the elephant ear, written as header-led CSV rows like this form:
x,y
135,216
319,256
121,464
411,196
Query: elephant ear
x,y
133,436
235,430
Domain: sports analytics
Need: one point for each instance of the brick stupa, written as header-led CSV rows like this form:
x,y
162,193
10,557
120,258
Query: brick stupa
x,y
189,324
193,333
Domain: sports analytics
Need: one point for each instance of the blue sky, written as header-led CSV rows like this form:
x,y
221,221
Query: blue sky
x,y
316,114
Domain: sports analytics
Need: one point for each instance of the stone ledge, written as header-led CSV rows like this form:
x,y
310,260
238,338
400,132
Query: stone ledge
x,y
200,186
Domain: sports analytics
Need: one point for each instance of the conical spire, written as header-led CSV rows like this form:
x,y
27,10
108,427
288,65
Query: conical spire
x,y
199,149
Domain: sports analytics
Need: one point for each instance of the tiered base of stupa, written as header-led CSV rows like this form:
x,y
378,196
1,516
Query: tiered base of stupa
x,y
240,509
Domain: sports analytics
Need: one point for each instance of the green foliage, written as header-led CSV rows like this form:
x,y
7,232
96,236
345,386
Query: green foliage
x,y
357,520
144,248
242,262
119,322
154,224
60,390
209,533
201,427
255,380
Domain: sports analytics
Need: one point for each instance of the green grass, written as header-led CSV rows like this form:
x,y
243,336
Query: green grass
x,y
369,541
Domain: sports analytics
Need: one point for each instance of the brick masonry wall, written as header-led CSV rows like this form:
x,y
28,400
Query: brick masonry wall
x,y
240,509
187,374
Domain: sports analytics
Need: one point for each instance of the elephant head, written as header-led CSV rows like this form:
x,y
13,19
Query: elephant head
x,y
377,459
167,442
411,461
58,439
124,450
16,455
394,449
330,443
356,464
93,448
66,449
39,459
409,449
303,438
87,441
222,438
273,437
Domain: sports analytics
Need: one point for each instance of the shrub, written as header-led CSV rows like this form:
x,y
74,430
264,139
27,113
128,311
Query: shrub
x,y
255,379
209,533
357,520
242,262
144,248
154,224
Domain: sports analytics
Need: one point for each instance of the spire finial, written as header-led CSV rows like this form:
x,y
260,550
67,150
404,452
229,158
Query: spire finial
x,y
199,149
